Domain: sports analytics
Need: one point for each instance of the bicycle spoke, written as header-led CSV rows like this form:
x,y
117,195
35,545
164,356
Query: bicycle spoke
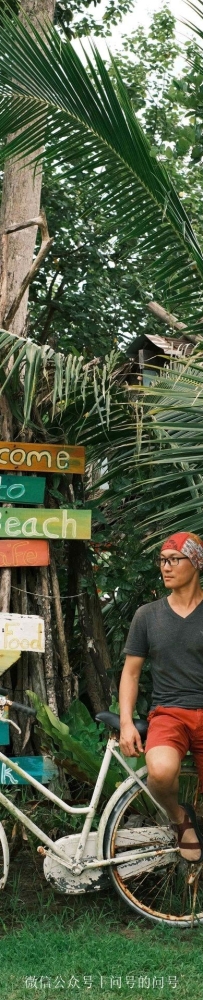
x,y
158,885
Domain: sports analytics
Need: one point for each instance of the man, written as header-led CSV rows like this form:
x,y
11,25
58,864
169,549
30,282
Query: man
x,y
170,630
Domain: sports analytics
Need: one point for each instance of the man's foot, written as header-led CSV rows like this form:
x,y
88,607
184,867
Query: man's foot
x,y
189,838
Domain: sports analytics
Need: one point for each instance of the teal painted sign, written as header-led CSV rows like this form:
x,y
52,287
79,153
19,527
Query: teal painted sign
x,y
41,768
22,489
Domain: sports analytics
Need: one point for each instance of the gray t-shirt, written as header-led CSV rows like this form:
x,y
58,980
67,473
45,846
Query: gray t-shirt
x,y
175,648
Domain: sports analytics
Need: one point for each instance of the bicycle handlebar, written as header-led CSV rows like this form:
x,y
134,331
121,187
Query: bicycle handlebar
x,y
23,708
17,704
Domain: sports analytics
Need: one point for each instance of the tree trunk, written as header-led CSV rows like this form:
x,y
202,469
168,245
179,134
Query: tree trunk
x,y
96,655
20,201
39,592
63,652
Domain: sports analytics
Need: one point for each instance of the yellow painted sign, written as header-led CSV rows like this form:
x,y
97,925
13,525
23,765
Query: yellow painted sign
x,y
18,632
23,457
38,523
6,660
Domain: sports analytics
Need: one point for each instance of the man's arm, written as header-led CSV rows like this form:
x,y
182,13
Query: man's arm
x,y
130,741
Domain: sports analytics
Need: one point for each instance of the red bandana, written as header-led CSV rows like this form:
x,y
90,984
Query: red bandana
x,y
191,546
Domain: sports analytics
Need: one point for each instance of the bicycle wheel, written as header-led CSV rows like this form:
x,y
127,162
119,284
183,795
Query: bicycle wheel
x,y
4,857
161,885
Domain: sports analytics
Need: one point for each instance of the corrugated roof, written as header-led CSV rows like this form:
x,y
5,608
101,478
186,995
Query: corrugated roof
x,y
176,348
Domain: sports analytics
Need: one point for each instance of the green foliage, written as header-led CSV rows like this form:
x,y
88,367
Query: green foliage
x,y
171,497
195,94
83,728
86,296
81,756
100,133
54,375
168,101
91,289
9,7
122,237
75,18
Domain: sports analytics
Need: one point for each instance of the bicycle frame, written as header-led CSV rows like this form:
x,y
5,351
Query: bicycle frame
x,y
78,866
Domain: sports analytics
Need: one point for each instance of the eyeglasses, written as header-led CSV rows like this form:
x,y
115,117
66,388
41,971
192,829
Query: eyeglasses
x,y
171,560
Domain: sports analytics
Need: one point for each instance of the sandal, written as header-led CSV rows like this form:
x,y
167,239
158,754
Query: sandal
x,y
189,822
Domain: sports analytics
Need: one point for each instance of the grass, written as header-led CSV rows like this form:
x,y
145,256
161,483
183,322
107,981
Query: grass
x,y
87,956
88,946
54,946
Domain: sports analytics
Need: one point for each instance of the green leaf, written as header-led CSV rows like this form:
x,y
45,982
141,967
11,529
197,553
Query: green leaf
x,y
82,120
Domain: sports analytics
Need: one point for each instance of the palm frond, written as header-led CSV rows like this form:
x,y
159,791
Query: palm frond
x,y
172,448
197,9
154,454
88,126
47,375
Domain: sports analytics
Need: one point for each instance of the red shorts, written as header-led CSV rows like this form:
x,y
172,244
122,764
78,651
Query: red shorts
x,y
181,728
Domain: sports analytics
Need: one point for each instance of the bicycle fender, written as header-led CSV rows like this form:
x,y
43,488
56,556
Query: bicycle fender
x,y
123,787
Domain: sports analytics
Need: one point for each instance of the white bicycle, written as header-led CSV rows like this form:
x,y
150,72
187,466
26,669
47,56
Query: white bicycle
x,y
134,847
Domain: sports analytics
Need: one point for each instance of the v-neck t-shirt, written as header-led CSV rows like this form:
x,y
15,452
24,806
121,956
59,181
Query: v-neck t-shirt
x,y
174,646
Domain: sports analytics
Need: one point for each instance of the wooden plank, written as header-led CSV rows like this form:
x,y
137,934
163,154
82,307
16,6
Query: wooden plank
x,y
41,768
22,489
19,632
21,456
57,523
18,552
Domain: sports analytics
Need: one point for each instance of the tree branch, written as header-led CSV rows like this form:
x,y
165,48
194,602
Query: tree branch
x,y
16,226
166,317
45,247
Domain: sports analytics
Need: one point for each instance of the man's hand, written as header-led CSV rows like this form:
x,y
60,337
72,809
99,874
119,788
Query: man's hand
x,y
130,740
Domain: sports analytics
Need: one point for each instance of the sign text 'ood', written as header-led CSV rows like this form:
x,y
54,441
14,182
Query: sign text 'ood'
x,y
22,632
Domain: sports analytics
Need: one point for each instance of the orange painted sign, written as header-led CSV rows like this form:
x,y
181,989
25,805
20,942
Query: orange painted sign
x,y
17,552
20,456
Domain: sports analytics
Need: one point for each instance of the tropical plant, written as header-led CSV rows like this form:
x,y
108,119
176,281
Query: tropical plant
x,y
195,102
88,124
85,122
79,745
86,296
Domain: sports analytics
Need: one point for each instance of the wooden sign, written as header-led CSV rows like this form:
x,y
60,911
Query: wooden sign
x,y
7,659
18,632
16,552
41,457
22,489
33,523
4,734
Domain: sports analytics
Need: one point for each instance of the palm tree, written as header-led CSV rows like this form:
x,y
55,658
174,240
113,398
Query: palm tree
x,y
84,124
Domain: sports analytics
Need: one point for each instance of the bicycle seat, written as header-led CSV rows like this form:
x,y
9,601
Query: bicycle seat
x,y
112,720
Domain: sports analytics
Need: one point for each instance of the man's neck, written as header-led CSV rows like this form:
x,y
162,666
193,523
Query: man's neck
x,y
187,597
